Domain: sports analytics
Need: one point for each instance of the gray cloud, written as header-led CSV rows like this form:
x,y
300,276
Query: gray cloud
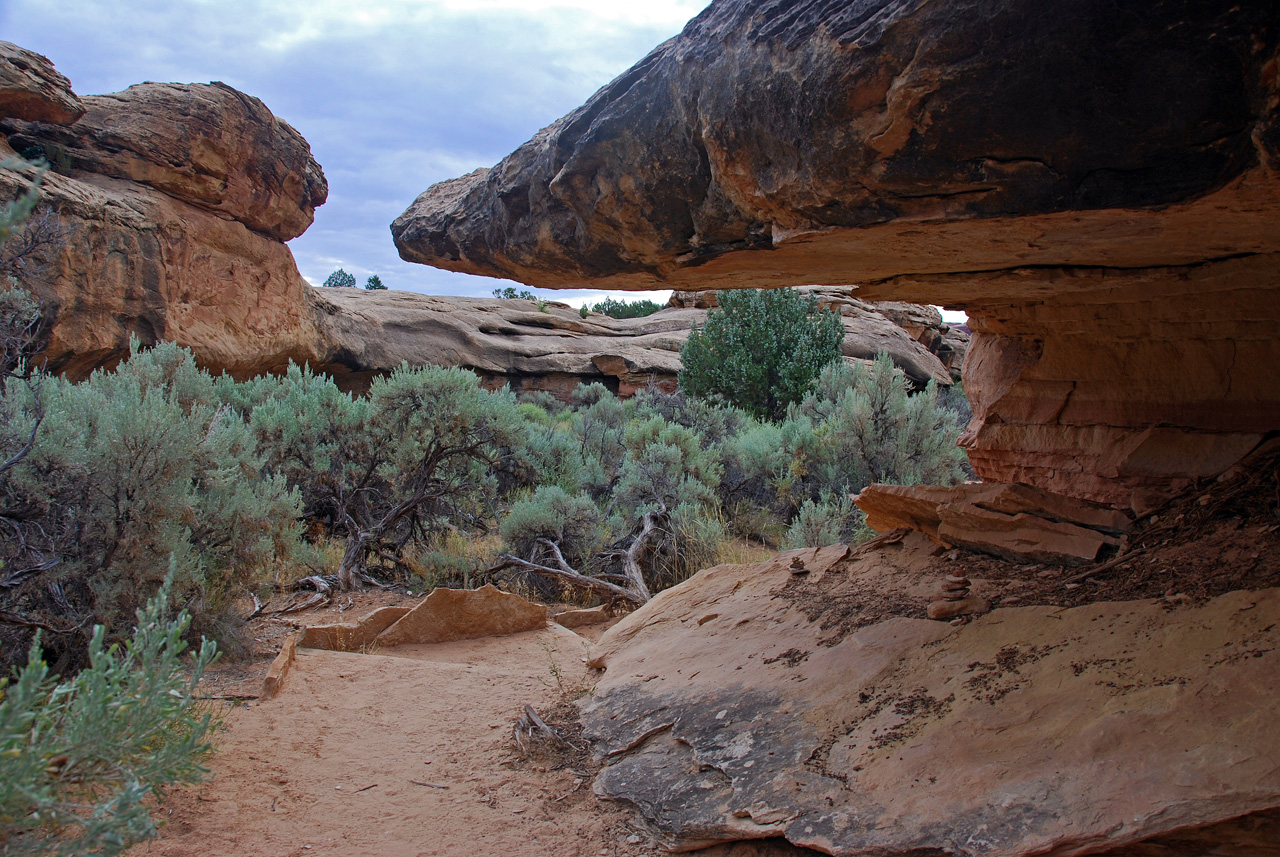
x,y
391,97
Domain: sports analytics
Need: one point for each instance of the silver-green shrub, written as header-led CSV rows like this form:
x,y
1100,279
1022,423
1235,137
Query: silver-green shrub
x,y
80,758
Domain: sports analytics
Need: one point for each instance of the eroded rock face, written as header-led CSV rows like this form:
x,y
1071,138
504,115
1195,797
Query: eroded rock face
x,y
31,89
205,144
174,202
1097,187
730,709
366,333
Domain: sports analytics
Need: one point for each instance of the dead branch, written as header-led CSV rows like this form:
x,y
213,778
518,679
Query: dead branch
x,y
21,621
649,526
570,576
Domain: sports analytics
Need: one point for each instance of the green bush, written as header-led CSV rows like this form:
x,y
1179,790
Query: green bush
x,y
374,283
80,758
572,522
760,350
421,452
622,309
829,521
509,293
340,279
862,425
129,469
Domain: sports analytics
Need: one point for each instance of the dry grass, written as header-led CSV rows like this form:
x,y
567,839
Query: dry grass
x,y
738,551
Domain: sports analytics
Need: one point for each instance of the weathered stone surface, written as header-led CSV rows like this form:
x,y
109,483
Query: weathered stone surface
x,y
137,261
1098,190
727,712
765,132
582,618
205,144
355,636
1015,522
273,681
460,614
31,89
363,333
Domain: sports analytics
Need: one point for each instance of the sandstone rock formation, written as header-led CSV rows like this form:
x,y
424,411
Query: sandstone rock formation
x,y
176,199
1015,522
749,703
31,89
362,334
1097,187
174,202
357,636
461,614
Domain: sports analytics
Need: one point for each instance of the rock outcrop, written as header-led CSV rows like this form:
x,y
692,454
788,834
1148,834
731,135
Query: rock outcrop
x,y
462,614
31,89
173,203
1097,187
363,334
1015,522
750,703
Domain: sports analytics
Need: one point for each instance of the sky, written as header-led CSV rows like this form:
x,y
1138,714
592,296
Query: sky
x,y
392,96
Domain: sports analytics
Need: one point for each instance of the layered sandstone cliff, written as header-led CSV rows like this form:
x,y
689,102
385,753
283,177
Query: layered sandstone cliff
x,y
1096,185
173,202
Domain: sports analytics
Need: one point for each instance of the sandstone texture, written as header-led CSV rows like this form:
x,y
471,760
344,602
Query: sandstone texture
x,y
750,703
461,614
1097,187
361,334
1014,522
173,203
355,636
31,89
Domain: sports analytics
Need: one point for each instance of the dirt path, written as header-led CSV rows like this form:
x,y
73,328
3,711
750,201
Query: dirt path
x,y
329,766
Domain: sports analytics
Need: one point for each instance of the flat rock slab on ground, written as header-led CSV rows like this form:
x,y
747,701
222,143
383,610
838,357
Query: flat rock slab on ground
x,y
459,614
738,706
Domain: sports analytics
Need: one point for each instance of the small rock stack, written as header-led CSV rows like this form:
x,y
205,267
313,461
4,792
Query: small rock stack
x,y
956,600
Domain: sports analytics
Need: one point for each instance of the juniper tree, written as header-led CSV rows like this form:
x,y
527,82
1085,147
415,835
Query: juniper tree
x,y
760,350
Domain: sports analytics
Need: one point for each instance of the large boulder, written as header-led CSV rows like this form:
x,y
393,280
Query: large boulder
x,y
167,208
205,144
752,702
1096,185
32,89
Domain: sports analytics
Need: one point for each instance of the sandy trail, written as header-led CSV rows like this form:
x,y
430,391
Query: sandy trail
x,y
328,767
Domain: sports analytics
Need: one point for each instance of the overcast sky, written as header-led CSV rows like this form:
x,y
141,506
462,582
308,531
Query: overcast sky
x,y
392,96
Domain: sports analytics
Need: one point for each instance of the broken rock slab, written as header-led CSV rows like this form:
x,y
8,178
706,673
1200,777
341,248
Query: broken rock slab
x,y
461,614
1016,522
352,636
731,708
582,618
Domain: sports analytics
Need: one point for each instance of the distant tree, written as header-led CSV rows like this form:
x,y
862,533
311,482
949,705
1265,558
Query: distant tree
x,y
760,350
510,294
374,283
622,309
340,279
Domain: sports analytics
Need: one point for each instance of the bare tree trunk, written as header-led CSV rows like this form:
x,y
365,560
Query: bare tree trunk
x,y
631,559
352,561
